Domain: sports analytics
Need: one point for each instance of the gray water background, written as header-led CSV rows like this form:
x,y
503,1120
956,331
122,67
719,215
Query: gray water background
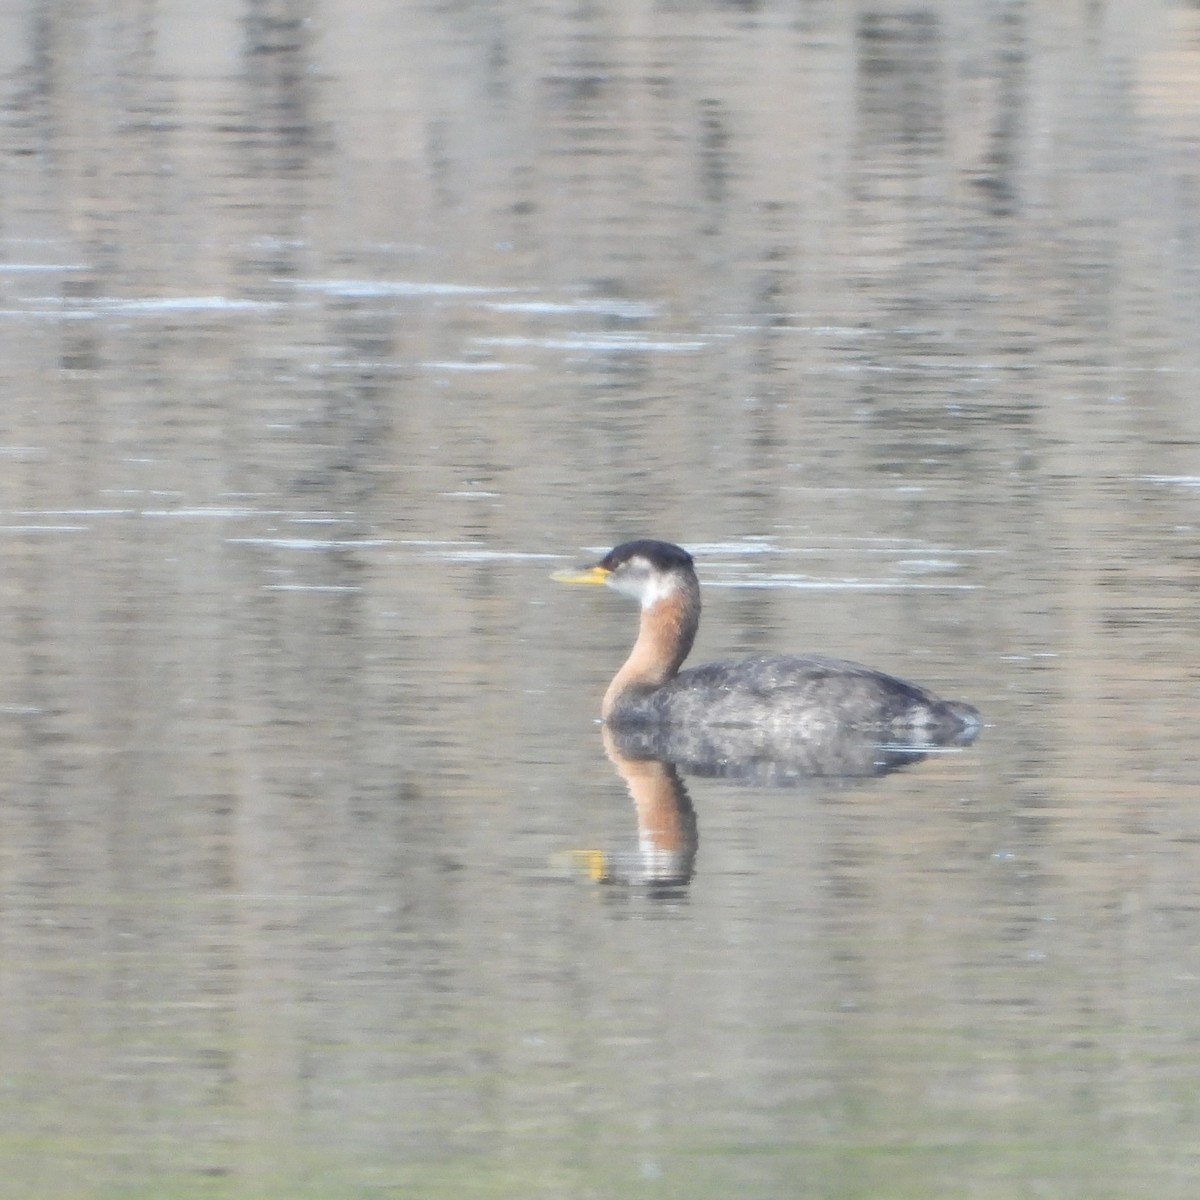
x,y
330,330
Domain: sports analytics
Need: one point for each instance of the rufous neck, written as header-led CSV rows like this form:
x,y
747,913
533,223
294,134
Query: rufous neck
x,y
665,635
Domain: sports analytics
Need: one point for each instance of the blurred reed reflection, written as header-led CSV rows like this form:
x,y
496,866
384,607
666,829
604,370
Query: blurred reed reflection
x,y
324,326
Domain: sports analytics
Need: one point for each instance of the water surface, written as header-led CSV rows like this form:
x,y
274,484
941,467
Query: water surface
x,y
330,333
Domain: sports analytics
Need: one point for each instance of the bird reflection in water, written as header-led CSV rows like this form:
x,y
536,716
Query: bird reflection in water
x,y
771,721
665,854
668,833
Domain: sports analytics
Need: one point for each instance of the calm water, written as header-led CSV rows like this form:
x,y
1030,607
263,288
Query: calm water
x,y
330,331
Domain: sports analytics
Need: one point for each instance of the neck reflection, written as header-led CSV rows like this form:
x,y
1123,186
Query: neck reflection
x,y
665,856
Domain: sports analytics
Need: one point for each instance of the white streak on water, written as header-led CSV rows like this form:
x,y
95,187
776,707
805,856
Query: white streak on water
x,y
45,528
174,304
30,268
366,288
614,343
280,543
107,306
219,514
51,314
309,587
801,583
493,556
630,309
73,512
762,547
475,366
1173,480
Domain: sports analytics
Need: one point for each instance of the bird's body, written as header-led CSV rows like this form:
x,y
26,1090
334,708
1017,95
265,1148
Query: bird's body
x,y
768,701
806,695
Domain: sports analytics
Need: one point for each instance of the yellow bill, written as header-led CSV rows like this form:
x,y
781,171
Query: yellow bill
x,y
589,575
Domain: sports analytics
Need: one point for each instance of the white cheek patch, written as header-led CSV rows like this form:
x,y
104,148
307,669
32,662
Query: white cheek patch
x,y
643,584
626,585
656,588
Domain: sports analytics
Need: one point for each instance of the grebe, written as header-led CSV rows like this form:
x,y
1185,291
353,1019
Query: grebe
x,y
779,700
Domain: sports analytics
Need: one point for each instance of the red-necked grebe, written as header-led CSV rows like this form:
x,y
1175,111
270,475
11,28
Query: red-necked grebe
x,y
790,695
